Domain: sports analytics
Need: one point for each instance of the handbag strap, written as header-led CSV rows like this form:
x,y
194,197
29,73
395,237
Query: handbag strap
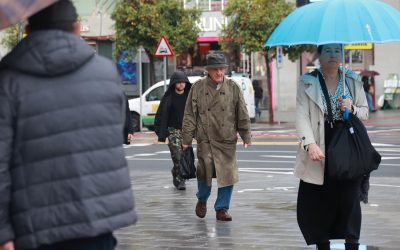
x,y
328,101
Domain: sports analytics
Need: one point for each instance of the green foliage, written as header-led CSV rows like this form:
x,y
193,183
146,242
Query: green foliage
x,y
253,21
10,39
143,22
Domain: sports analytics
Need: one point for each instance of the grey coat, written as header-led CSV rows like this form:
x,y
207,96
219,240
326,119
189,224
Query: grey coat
x,y
63,172
214,118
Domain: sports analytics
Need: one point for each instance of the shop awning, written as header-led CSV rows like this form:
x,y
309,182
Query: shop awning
x,y
207,39
98,38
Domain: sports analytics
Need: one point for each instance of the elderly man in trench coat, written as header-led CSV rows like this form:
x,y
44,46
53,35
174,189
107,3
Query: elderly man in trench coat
x,y
215,112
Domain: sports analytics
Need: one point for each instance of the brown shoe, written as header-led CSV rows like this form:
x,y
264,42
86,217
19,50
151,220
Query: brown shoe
x,y
201,209
223,215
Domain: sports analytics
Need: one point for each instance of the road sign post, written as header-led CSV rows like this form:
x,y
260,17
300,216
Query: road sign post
x,y
140,88
279,64
163,50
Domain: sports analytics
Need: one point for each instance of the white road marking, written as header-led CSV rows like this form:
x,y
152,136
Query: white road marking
x,y
385,185
132,158
266,189
281,131
390,165
383,130
280,156
382,145
251,190
390,158
285,171
135,155
388,149
268,168
263,161
264,151
137,145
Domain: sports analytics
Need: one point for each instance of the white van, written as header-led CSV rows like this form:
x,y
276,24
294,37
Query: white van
x,y
152,96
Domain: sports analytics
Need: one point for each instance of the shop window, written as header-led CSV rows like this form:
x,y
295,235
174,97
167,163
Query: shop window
x,y
357,56
204,5
216,5
189,4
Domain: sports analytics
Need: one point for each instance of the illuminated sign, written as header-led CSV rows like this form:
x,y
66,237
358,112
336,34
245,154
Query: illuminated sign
x,y
357,46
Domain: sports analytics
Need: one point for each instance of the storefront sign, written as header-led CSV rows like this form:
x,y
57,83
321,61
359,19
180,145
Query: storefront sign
x,y
211,23
85,28
358,46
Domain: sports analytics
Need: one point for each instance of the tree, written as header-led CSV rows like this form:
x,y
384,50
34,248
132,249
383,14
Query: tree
x,y
251,22
141,23
10,38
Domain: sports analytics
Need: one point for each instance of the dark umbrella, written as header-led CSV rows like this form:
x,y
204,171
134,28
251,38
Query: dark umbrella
x,y
14,11
369,73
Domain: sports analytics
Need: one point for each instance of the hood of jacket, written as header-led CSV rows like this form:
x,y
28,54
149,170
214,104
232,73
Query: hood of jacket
x,y
176,77
48,53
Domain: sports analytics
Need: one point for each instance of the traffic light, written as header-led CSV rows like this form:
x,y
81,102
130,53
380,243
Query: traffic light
x,y
300,3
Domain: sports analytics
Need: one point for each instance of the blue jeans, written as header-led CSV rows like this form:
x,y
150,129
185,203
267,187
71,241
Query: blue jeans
x,y
369,101
101,242
223,197
257,104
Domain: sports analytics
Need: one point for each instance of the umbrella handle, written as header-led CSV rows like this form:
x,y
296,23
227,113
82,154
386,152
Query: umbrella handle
x,y
346,111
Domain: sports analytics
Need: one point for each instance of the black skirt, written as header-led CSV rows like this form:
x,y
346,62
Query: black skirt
x,y
329,211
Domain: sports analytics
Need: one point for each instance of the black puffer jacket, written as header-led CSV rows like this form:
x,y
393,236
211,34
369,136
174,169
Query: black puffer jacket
x,y
63,173
163,112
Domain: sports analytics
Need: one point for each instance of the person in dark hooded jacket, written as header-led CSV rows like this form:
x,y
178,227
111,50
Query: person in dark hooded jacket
x,y
128,127
64,180
168,121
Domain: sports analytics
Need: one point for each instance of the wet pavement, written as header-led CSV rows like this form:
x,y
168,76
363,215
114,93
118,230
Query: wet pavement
x,y
263,211
263,208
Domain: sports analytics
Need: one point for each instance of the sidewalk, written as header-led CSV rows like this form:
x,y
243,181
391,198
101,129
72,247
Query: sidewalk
x,y
264,216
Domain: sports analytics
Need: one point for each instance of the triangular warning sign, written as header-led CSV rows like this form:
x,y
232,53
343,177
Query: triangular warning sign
x,y
163,48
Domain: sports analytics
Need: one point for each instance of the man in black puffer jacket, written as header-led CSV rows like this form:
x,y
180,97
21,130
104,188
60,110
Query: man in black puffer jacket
x,y
168,122
64,181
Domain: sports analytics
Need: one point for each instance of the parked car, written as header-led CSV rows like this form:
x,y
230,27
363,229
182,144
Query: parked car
x,y
152,96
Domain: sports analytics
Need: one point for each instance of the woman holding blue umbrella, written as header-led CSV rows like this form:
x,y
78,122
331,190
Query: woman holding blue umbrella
x,y
330,209
326,209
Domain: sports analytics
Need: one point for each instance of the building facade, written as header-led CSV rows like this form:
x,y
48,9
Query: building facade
x,y
97,29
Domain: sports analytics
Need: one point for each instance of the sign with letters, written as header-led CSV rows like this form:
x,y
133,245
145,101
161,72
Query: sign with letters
x,y
358,46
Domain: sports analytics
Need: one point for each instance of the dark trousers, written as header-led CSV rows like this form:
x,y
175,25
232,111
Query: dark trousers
x,y
101,242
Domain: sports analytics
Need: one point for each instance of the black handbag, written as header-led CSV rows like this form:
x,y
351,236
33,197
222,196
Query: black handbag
x,y
350,152
188,169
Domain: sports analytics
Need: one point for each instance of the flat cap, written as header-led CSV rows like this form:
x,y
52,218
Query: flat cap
x,y
216,60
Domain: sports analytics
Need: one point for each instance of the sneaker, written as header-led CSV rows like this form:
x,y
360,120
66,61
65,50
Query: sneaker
x,y
181,185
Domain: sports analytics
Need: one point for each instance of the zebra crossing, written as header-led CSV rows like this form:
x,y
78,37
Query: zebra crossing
x,y
272,152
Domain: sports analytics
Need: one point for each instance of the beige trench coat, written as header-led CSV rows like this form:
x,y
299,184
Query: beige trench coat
x,y
214,117
310,122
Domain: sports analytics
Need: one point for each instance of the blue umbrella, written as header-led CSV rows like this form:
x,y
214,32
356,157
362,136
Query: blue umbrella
x,y
338,21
